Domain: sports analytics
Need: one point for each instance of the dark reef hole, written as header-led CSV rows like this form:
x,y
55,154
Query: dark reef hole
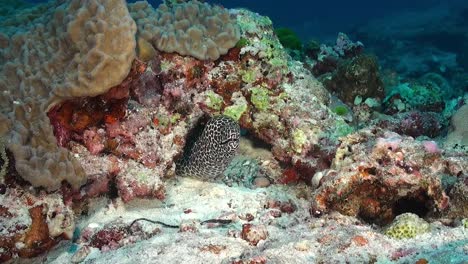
x,y
417,205
12,177
113,192
192,136
256,142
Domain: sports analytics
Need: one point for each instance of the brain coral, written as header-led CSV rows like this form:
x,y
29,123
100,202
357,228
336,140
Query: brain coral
x,y
193,28
407,225
73,48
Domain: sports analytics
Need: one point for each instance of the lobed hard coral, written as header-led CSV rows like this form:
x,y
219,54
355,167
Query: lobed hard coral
x,y
193,28
458,134
73,49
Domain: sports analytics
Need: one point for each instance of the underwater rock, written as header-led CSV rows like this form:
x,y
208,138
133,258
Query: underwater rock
x,y
459,199
413,124
325,59
380,174
254,233
358,76
421,96
31,225
114,235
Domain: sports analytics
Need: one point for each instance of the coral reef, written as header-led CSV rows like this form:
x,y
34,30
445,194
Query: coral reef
x,y
99,103
322,59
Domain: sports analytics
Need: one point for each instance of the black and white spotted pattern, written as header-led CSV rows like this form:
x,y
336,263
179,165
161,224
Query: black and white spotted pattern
x,y
213,151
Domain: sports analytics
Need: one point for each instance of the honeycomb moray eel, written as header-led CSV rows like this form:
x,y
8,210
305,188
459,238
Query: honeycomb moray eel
x,y
212,151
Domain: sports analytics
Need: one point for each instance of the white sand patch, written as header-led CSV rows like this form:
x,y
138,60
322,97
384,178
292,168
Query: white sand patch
x,y
293,238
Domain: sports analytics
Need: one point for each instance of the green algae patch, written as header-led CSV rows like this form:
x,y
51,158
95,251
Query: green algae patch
x,y
340,110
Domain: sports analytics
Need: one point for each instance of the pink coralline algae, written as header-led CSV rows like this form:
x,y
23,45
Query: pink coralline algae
x,y
419,123
431,146
413,124
379,175
114,128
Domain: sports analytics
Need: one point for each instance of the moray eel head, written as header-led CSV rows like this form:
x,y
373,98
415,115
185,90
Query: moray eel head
x,y
212,151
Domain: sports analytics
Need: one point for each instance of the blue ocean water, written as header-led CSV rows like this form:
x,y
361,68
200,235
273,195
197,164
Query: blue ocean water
x,y
322,19
421,29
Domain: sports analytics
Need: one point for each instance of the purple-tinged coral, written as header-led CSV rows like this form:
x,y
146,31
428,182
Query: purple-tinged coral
x,y
413,124
325,59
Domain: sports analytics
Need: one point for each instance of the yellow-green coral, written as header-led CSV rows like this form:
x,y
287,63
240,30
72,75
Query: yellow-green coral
x,y
214,100
174,118
248,76
260,98
407,225
238,108
299,139
235,111
253,23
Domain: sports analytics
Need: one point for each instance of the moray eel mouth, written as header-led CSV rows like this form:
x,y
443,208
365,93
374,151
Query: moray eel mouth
x,y
212,151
